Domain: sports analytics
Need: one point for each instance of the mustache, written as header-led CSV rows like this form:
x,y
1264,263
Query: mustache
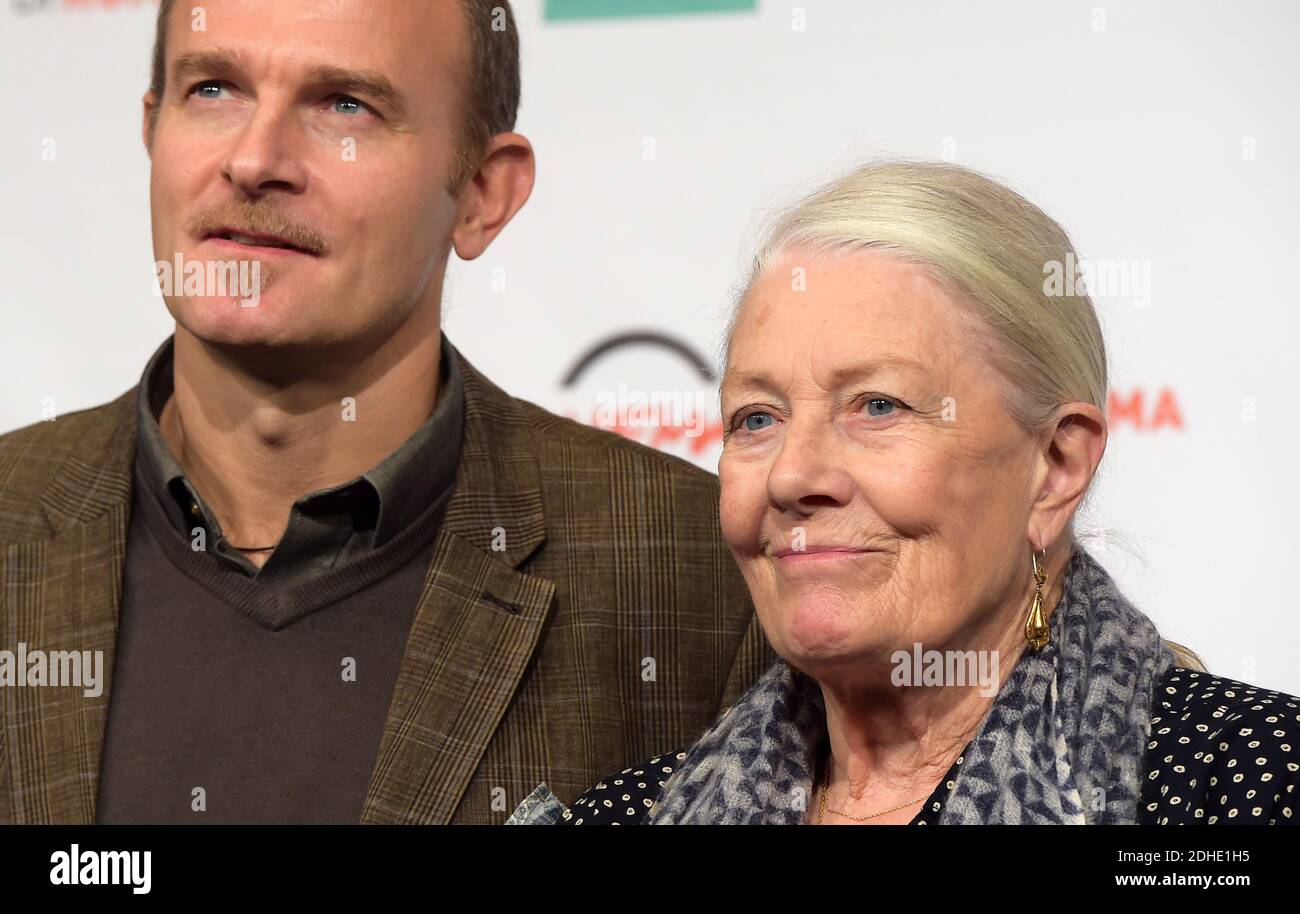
x,y
258,219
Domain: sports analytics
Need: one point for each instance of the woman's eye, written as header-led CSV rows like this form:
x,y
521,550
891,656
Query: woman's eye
x,y
879,406
751,426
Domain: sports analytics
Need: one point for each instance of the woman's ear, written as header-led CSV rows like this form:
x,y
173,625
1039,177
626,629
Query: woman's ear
x,y
1068,460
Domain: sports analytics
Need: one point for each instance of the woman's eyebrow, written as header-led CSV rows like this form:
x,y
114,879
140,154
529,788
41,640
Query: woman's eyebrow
x,y
839,377
864,369
733,380
731,377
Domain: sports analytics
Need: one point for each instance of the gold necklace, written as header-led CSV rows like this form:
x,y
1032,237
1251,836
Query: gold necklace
x,y
821,811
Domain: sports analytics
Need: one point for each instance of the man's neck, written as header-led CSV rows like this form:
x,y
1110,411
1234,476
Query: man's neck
x,y
252,446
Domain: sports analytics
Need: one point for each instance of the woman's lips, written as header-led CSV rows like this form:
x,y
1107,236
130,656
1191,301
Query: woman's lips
x,y
823,555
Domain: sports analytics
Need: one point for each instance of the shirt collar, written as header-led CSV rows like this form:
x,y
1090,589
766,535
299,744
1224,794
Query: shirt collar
x,y
385,498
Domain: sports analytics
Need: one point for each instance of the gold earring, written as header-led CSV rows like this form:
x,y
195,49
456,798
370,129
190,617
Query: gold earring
x,y
1037,631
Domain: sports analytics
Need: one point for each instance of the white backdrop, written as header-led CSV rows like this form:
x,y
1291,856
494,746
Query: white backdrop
x,y
1162,134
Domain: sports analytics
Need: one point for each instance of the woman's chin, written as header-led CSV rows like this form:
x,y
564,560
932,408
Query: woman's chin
x,y
824,640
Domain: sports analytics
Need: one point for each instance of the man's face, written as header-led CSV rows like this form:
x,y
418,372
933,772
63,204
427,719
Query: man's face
x,y
330,124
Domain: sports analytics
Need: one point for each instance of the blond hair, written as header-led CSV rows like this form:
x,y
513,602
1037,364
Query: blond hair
x,y
979,238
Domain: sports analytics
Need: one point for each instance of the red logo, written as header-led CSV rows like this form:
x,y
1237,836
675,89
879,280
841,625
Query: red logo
x,y
1144,413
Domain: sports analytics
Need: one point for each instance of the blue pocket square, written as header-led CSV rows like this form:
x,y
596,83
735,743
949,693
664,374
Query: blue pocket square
x,y
541,807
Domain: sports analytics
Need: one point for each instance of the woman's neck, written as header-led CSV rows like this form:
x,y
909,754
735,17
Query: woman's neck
x,y
892,745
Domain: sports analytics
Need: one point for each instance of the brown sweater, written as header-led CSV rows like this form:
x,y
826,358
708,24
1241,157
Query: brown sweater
x,y
259,695
214,692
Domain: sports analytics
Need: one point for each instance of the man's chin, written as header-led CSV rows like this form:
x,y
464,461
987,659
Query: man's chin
x,y
257,321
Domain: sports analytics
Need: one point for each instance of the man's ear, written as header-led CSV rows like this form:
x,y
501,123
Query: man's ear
x,y
150,105
495,192
1066,464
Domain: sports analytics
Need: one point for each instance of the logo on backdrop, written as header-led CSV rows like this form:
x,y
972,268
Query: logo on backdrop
x,y
1143,410
556,10
622,384
30,7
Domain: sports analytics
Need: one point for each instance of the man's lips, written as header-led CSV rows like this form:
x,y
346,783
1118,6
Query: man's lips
x,y
236,240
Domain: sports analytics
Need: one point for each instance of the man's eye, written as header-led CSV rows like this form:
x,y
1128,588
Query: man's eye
x,y
209,89
752,426
885,406
346,104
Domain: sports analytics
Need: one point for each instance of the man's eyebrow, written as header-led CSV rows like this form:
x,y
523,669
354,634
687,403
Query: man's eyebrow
x,y
221,61
370,84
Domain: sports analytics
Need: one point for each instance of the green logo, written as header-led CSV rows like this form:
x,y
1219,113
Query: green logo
x,y
611,9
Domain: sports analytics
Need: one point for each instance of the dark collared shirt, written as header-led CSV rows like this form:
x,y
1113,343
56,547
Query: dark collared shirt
x,y
326,528
247,695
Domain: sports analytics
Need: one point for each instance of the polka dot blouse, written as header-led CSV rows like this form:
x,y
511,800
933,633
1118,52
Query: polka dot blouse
x,y
625,797
622,798
1220,751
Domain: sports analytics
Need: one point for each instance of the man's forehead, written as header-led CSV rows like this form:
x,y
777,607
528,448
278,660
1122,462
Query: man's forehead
x,y
400,38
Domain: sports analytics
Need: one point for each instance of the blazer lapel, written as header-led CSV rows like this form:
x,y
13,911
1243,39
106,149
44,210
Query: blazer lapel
x,y
477,624
474,633
64,594
475,630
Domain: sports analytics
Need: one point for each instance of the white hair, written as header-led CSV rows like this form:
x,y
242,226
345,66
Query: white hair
x,y
978,238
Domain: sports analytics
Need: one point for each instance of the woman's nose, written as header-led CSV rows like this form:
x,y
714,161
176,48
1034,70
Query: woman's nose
x,y
808,472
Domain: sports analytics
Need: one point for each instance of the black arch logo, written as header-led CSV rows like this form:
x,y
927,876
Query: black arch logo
x,y
637,338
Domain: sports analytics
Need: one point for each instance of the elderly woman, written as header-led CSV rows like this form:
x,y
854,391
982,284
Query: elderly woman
x,y
911,420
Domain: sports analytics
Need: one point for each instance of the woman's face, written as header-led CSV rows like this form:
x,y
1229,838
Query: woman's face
x,y
875,491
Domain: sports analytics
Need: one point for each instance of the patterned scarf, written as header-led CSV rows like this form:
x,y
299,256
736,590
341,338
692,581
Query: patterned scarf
x,y
1064,741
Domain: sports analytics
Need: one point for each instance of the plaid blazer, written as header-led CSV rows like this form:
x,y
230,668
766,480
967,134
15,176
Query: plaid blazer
x,y
612,626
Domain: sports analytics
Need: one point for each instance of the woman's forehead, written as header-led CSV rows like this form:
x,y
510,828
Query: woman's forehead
x,y
845,318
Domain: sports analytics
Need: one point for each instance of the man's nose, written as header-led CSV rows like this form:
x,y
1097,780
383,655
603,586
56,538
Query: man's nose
x,y
808,471
267,155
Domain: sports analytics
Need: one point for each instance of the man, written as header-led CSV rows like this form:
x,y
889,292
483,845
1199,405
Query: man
x,y
335,574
